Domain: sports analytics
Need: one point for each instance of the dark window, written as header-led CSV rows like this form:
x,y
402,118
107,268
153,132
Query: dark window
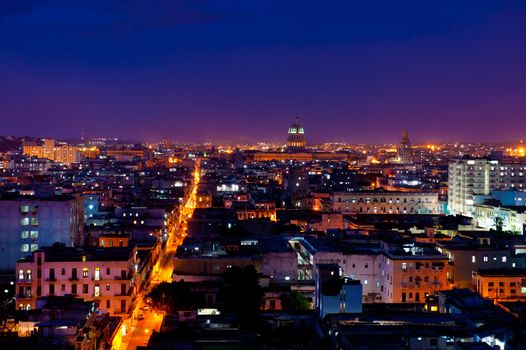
x,y
107,304
123,306
51,289
85,288
74,289
63,272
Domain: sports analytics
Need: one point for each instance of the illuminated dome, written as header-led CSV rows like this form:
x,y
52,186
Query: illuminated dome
x,y
296,140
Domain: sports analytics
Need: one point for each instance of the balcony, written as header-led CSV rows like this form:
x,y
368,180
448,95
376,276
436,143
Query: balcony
x,y
125,294
121,278
24,296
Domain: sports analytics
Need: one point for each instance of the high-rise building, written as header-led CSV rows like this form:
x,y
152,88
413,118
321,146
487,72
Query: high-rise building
x,y
31,149
29,223
296,139
66,154
405,150
471,177
48,149
61,153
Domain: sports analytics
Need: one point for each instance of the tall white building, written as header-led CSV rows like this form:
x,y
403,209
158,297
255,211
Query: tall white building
x,y
471,177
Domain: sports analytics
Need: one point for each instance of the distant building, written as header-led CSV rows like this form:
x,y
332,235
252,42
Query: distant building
x,y
469,178
62,153
296,141
28,223
381,202
405,150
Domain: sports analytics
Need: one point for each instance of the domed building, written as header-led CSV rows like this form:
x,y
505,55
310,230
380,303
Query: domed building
x,y
296,140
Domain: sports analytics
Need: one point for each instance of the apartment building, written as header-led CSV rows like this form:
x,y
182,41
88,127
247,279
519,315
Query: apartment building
x,y
469,178
468,255
29,222
412,273
104,276
500,284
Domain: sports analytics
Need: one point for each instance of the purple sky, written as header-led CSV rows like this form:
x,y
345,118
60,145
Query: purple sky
x,y
238,70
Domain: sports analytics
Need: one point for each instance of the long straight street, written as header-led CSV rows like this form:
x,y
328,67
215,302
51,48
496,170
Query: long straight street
x,y
161,272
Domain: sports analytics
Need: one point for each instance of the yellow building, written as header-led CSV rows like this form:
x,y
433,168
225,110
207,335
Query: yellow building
x,y
500,284
61,153
31,149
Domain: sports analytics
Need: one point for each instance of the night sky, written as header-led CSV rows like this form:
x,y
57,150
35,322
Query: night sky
x,y
239,70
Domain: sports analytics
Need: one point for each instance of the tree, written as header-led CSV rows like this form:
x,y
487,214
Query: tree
x,y
499,223
170,297
240,293
294,301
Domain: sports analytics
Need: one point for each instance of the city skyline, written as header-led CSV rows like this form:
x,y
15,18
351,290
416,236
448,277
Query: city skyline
x,y
233,72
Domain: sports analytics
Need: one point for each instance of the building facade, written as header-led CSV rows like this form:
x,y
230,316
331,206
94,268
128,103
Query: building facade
x,y
26,224
385,203
469,178
500,284
405,150
410,277
104,276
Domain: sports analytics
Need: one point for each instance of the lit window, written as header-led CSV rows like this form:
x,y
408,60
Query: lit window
x,y
24,234
85,272
20,274
34,247
473,259
365,282
485,259
504,259
24,248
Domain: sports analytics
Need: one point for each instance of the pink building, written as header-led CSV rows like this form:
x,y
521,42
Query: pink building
x,y
104,276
